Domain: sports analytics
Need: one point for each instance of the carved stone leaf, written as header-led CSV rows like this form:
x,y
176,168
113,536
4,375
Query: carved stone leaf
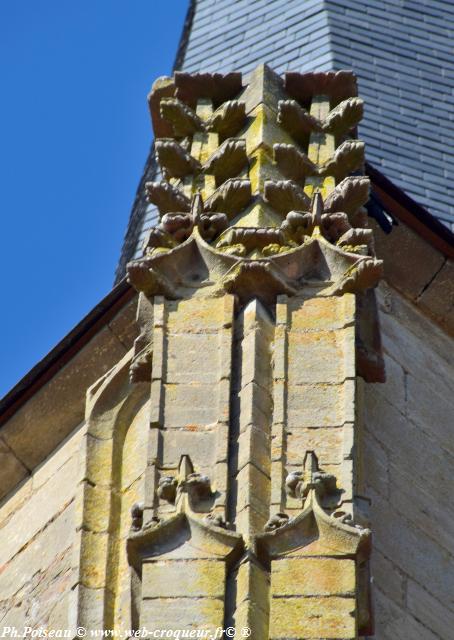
x,y
211,226
228,119
285,196
344,117
174,160
158,237
231,197
347,158
178,224
166,197
297,225
296,120
184,121
355,237
293,163
365,275
228,160
216,86
349,195
338,85
335,225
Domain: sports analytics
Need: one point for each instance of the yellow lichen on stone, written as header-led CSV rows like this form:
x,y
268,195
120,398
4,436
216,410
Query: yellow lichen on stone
x,y
313,618
313,577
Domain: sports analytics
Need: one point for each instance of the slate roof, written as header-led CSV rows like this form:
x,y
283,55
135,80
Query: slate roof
x,y
401,50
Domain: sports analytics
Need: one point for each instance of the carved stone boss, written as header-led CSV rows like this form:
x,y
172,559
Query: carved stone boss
x,y
257,315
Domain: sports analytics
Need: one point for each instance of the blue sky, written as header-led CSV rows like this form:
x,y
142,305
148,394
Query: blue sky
x,y
75,132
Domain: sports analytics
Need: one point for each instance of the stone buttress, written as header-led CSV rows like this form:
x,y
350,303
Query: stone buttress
x,y
258,327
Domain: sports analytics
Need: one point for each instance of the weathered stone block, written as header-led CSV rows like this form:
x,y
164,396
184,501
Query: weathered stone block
x,y
71,447
195,315
415,552
182,613
135,443
320,314
50,500
409,276
92,507
388,578
410,497
252,616
183,579
432,613
253,584
124,324
253,488
313,577
38,554
313,618
254,446
326,441
408,447
430,410
315,405
255,406
94,549
393,389
99,455
395,623
192,358
196,441
316,357
187,404
376,465
438,298
417,344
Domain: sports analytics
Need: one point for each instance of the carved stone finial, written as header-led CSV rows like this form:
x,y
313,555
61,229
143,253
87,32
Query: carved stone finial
x,y
258,179
299,483
196,486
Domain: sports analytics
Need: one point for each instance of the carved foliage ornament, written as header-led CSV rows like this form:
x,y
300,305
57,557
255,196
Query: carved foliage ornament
x,y
257,177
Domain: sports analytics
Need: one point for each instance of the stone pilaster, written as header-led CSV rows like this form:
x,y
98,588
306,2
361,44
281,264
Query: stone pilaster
x,y
252,322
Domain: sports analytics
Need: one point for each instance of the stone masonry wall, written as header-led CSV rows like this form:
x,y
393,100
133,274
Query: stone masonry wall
x,y
37,532
409,465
